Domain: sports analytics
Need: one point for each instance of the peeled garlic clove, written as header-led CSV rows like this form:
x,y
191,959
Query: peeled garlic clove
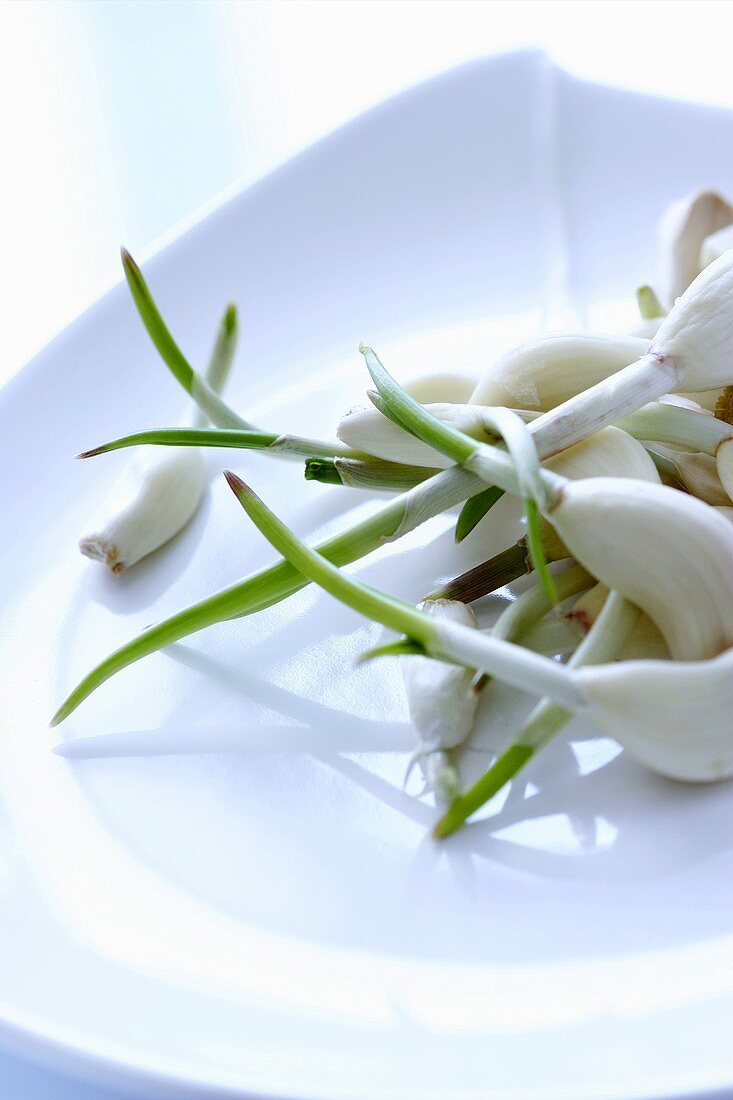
x,y
724,468
682,230
715,245
440,697
442,386
663,550
685,401
698,472
673,717
156,496
608,453
370,431
543,371
645,640
645,328
695,337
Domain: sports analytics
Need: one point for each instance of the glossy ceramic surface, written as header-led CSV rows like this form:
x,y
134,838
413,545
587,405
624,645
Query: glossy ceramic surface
x,y
237,897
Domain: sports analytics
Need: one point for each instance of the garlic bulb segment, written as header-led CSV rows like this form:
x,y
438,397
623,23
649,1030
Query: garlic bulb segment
x,y
682,231
446,386
610,452
696,335
695,470
545,370
645,640
370,431
665,551
440,697
674,717
724,469
715,245
156,496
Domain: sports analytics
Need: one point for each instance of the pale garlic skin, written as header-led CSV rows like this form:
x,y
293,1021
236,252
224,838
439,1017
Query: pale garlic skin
x,y
543,371
697,471
608,453
715,245
667,552
156,496
682,231
724,468
369,430
674,717
645,641
440,697
695,336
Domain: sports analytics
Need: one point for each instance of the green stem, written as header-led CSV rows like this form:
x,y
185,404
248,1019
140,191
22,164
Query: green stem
x,y
603,642
485,578
648,303
223,437
474,510
487,462
442,639
662,423
212,406
374,474
275,583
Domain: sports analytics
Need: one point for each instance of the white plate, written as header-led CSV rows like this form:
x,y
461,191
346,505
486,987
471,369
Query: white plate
x,y
253,908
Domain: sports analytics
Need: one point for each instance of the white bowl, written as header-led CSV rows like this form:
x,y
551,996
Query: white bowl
x,y
240,899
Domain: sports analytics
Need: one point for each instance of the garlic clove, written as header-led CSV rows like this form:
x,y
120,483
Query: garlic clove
x,y
645,640
442,386
673,717
683,228
715,245
610,452
724,468
697,471
440,697
696,334
646,328
370,431
155,498
545,370
663,550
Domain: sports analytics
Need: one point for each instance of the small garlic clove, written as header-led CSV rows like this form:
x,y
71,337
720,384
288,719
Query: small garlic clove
x,y
646,328
698,472
663,550
683,228
696,335
370,431
440,697
674,717
156,497
686,401
715,245
545,370
724,469
610,452
645,640
442,386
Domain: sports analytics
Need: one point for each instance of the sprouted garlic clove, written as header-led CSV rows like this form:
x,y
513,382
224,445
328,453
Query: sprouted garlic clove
x,y
681,235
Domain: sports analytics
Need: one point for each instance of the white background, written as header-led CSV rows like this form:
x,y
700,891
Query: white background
x,y
120,118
